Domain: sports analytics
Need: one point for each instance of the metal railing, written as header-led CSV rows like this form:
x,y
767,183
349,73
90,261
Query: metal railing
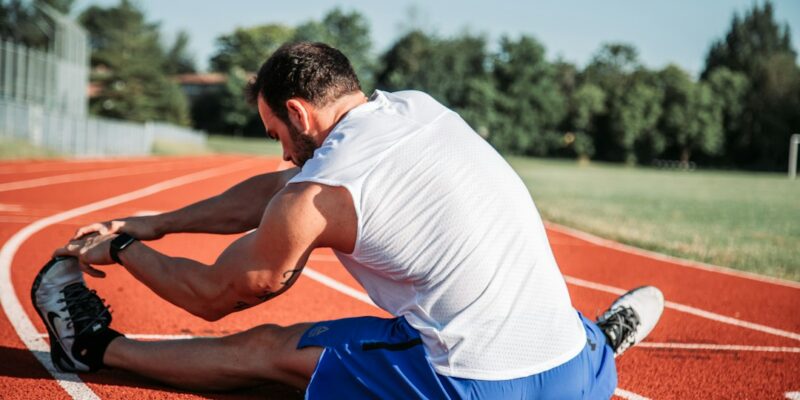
x,y
79,135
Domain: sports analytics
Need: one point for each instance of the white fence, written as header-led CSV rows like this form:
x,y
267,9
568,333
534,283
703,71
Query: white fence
x,y
87,136
44,78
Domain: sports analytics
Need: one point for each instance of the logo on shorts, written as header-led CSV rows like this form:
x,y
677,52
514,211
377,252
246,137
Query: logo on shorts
x,y
317,331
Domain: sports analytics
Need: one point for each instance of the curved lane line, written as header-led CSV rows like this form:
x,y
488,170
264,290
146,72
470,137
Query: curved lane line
x,y
682,262
8,297
689,310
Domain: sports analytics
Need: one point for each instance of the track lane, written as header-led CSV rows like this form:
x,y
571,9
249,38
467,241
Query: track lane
x,y
733,296
330,267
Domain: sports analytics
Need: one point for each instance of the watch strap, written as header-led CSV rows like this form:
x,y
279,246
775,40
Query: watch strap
x,y
118,244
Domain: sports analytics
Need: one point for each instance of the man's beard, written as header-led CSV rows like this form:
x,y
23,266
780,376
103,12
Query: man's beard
x,y
303,144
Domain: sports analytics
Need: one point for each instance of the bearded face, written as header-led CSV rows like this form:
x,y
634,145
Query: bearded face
x,y
304,146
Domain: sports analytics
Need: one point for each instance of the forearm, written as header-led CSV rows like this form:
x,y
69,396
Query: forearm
x,y
236,210
185,283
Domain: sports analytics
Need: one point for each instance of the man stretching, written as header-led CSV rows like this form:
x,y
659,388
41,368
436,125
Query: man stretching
x,y
429,219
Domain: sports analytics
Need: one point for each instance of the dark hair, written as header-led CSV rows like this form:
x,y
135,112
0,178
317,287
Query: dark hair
x,y
314,72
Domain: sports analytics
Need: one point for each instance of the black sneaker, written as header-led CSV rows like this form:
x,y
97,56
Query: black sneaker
x,y
631,317
71,312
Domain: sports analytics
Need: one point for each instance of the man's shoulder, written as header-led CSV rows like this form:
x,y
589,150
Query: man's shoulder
x,y
308,201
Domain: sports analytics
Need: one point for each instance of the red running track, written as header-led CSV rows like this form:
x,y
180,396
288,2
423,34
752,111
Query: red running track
x,y
724,335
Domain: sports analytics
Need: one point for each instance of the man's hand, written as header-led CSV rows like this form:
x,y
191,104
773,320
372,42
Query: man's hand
x,y
142,228
91,249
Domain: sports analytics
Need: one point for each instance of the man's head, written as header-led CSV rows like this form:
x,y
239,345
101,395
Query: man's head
x,y
296,91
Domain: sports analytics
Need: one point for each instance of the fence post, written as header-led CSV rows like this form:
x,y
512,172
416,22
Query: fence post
x,y
36,124
793,143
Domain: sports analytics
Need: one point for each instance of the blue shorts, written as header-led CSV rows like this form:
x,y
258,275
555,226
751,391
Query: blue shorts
x,y
369,357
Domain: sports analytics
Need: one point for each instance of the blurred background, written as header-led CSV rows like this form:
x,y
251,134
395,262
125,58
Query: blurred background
x,y
666,125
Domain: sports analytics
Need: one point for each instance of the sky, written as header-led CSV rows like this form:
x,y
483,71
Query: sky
x,y
664,32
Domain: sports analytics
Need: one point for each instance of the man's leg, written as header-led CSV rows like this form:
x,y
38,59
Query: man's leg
x,y
253,357
81,340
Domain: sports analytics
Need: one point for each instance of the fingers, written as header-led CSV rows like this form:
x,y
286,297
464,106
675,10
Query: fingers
x,y
91,270
62,251
70,249
98,227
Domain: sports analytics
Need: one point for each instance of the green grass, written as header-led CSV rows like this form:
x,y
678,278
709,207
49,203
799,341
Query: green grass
x,y
13,149
243,145
169,148
747,221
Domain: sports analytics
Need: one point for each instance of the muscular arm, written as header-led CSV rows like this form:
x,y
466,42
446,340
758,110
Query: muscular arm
x,y
255,268
236,210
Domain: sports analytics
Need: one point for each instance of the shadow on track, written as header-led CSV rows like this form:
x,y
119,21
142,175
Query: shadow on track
x,y
21,363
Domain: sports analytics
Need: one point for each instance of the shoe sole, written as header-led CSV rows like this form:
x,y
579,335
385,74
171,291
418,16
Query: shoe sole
x,y
57,353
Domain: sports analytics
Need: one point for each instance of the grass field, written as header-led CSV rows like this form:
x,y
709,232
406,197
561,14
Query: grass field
x,y
747,221
243,145
15,149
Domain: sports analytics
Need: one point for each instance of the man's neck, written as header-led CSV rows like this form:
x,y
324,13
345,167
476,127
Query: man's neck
x,y
330,116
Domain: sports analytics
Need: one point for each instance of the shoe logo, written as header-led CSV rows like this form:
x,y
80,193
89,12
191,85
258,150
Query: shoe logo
x,y
317,331
51,316
591,344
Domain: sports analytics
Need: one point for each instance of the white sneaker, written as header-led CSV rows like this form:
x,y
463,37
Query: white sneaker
x,y
69,310
631,317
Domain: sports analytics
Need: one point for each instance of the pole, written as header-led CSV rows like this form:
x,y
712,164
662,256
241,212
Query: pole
x,y
793,143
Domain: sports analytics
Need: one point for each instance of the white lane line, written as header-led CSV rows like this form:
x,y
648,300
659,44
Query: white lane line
x,y
146,213
682,262
718,347
336,285
628,395
23,167
11,208
690,310
8,297
149,336
792,395
87,176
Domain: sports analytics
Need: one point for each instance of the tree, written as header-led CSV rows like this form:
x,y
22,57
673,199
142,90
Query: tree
x,y
761,49
178,60
529,103
730,89
750,40
454,71
634,115
585,103
239,55
350,33
128,62
626,130
248,48
692,117
21,23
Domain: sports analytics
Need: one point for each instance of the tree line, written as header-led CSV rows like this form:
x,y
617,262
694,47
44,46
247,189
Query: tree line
x,y
738,113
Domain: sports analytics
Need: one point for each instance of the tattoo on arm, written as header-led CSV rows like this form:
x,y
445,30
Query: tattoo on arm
x,y
289,278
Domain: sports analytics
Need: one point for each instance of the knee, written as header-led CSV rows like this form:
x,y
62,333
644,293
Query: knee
x,y
266,338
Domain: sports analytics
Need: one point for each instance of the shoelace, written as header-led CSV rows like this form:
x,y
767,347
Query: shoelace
x,y
85,308
620,325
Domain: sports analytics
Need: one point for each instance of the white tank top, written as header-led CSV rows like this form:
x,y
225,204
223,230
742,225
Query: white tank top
x,y
449,238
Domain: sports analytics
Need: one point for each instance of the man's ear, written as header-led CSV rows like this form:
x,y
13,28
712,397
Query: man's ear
x,y
299,114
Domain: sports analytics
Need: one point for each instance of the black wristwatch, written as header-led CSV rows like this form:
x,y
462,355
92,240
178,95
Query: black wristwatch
x,y
118,244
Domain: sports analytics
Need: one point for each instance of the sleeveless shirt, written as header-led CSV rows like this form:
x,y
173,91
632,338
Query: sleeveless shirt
x,y
449,238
